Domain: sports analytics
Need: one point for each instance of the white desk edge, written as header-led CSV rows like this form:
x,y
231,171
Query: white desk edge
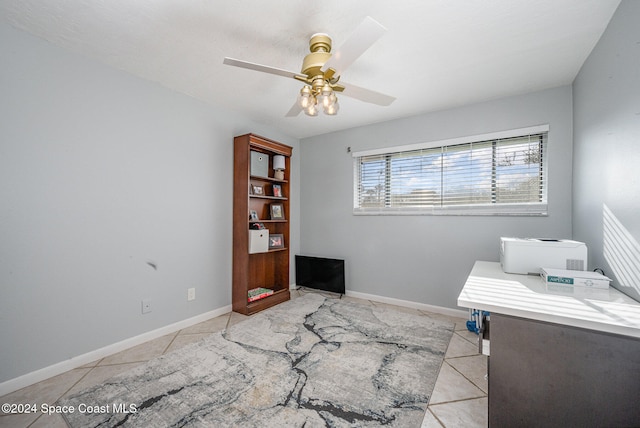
x,y
488,288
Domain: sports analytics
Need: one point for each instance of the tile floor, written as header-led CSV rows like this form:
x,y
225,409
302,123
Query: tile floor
x,y
459,398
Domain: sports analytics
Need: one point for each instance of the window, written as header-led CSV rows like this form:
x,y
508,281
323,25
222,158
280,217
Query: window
x,y
501,173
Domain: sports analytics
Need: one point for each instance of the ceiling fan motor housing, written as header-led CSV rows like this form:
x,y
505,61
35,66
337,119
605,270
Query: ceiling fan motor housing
x,y
320,47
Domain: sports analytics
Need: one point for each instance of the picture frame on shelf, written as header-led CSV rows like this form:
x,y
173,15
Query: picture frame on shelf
x,y
257,190
253,215
277,190
277,211
276,241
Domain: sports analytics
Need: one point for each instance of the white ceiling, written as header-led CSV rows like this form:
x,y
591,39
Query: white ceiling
x,y
436,54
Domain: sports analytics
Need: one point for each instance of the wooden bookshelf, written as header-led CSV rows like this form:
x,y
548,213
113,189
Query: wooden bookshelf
x,y
269,269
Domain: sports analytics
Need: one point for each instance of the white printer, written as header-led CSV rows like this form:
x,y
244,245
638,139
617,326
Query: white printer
x,y
528,255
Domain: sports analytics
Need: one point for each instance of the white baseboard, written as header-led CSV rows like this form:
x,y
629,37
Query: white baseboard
x,y
405,303
17,383
410,304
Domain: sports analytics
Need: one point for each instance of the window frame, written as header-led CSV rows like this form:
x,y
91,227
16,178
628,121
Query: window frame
x,y
478,209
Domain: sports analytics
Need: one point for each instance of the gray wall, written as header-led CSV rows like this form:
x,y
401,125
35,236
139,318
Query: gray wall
x,y
607,151
100,173
426,259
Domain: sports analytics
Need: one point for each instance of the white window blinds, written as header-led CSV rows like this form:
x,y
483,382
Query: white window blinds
x,y
489,176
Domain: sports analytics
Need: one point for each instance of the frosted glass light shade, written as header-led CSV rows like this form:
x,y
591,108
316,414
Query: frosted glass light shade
x,y
332,109
306,97
278,162
312,110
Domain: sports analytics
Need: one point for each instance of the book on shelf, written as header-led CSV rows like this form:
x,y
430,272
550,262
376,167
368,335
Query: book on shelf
x,y
259,293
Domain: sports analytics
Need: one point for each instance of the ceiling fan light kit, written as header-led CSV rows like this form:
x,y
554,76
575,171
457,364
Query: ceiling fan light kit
x,y
311,97
321,71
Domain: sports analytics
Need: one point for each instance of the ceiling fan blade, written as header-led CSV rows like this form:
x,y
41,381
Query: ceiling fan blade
x,y
294,110
367,95
261,68
365,35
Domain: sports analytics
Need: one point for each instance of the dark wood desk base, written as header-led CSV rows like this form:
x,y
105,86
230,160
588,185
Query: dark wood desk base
x,y
550,375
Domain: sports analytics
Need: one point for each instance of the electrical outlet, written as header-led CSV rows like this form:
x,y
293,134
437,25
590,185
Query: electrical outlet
x,y
146,306
191,294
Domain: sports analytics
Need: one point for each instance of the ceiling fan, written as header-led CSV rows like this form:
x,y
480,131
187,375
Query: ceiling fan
x,y
321,71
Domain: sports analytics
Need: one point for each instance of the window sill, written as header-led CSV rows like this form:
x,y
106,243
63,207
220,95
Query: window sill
x,y
520,210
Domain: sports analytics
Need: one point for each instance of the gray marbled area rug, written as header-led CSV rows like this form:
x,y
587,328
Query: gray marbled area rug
x,y
308,362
